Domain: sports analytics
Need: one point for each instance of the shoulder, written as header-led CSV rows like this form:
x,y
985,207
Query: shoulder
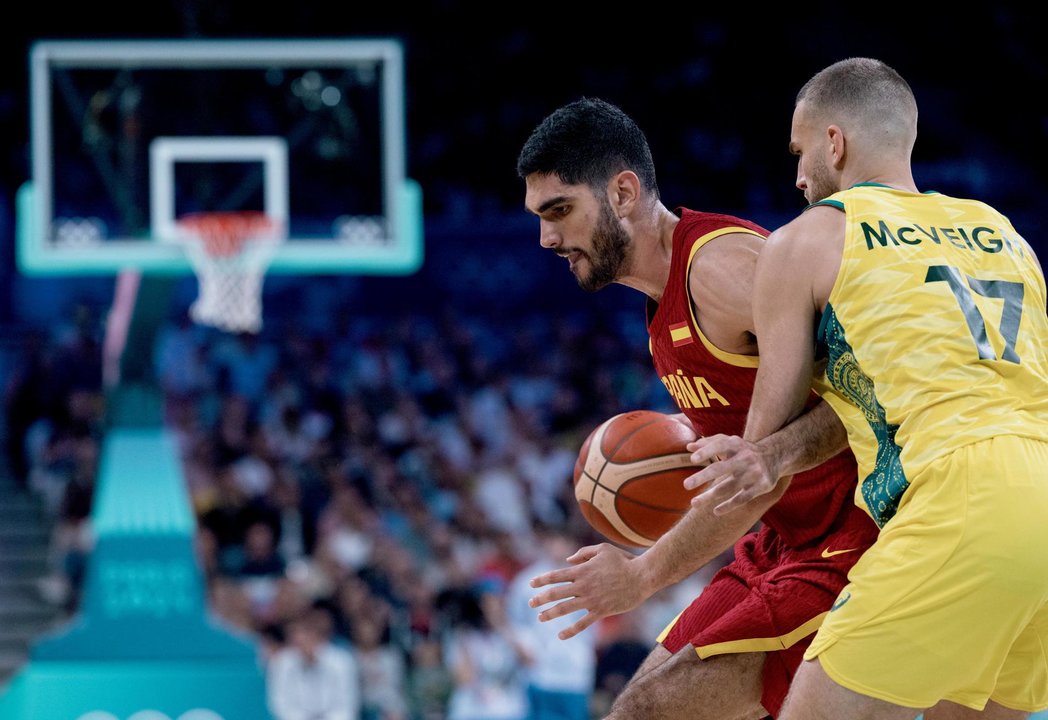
x,y
812,227
724,264
730,252
807,251
700,226
720,285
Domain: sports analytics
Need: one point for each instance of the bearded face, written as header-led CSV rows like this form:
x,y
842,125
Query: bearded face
x,y
808,141
609,246
821,183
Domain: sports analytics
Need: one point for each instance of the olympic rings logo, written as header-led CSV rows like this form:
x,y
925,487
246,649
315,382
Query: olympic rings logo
x,y
196,714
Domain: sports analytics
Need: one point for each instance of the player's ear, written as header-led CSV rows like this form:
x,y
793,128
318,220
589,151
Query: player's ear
x,y
835,137
623,191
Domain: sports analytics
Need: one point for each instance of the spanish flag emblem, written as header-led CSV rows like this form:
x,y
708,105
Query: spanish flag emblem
x,y
680,334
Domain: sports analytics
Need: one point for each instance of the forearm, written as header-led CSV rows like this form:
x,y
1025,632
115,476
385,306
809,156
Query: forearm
x,y
695,541
810,440
779,395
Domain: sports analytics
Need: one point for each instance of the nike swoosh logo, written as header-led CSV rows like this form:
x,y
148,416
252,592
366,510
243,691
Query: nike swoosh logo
x,y
844,597
827,553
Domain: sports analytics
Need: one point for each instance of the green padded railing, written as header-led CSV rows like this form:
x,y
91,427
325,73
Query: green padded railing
x,y
144,594
142,490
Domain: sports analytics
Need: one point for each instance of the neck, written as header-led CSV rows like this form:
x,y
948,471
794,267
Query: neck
x,y
652,252
900,178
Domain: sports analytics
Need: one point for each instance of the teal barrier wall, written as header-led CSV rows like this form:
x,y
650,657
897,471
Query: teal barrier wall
x,y
144,641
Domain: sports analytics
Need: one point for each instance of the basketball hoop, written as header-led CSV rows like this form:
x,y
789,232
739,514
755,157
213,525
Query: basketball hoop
x,y
229,252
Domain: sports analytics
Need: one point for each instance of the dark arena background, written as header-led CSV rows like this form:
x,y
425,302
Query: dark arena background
x,y
180,503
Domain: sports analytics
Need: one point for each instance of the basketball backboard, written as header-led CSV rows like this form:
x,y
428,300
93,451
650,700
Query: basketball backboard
x,y
129,136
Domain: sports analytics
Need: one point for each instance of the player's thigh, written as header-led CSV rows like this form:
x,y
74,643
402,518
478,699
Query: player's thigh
x,y
952,711
722,687
656,657
815,696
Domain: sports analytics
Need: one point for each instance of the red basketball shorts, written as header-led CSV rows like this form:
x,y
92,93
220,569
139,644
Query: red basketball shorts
x,y
772,598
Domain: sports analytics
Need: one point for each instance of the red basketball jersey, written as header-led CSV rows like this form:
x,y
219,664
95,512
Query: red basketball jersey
x,y
713,388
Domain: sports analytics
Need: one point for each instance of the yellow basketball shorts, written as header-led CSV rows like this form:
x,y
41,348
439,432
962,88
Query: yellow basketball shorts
x,y
951,602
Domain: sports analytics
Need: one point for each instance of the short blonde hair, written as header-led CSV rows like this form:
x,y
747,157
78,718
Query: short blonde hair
x,y
863,93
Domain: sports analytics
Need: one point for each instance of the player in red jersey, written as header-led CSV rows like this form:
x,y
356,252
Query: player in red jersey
x,y
731,654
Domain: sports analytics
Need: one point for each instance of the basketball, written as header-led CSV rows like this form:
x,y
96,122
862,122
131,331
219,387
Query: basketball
x,y
629,476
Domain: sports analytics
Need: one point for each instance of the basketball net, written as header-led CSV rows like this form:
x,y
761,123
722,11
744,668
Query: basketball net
x,y
230,253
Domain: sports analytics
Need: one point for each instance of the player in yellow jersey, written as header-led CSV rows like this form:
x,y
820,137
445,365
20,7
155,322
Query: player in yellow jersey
x,y
925,317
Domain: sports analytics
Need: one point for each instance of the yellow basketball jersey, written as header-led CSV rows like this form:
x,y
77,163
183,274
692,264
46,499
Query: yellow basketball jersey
x,y
935,334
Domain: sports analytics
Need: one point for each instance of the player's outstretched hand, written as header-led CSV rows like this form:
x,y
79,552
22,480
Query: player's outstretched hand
x,y
737,472
600,579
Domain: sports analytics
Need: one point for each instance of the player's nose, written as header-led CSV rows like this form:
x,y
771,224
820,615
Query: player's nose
x,y
548,236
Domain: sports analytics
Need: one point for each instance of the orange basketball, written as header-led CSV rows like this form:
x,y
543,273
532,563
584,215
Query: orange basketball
x,y
629,476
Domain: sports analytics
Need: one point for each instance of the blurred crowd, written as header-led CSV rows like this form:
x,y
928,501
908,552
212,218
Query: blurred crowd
x,y
373,495
371,500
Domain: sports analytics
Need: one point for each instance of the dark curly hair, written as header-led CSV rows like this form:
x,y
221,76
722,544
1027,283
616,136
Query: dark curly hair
x,y
586,142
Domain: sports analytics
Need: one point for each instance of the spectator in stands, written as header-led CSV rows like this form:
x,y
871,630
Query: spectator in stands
x,y
621,648
244,365
262,571
485,658
72,536
383,671
228,514
429,681
181,365
296,526
311,678
560,673
30,395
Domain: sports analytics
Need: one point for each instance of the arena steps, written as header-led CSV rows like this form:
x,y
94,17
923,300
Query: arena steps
x,y
26,610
